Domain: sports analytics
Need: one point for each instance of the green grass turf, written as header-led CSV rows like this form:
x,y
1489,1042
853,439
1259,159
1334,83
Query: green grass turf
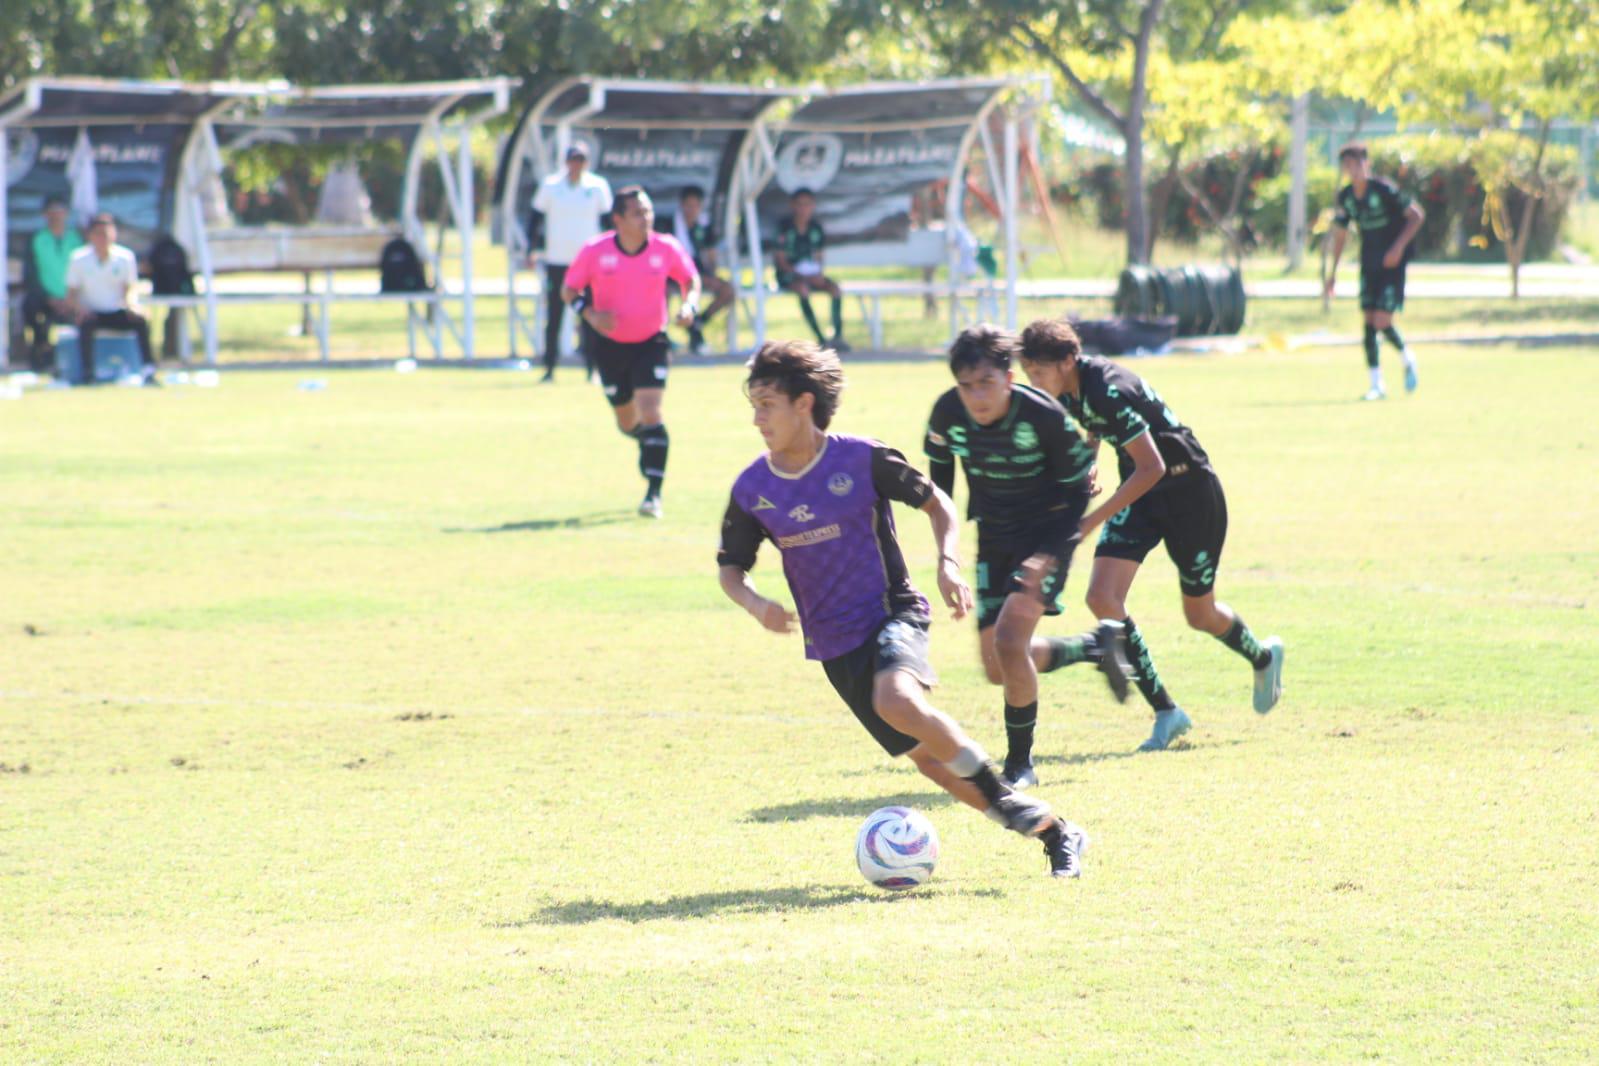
x,y
370,725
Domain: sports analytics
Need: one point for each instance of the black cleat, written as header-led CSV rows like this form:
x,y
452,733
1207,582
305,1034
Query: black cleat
x,y
1111,640
1065,849
1019,775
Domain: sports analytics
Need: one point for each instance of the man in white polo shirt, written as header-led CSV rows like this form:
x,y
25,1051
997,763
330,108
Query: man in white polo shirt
x,y
100,290
573,203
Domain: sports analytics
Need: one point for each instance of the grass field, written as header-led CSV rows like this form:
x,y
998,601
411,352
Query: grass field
x,y
369,725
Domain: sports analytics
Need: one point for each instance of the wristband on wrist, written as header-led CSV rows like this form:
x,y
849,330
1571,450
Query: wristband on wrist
x,y
579,302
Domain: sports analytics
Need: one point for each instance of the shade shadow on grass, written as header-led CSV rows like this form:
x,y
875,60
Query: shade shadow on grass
x,y
851,807
736,901
541,525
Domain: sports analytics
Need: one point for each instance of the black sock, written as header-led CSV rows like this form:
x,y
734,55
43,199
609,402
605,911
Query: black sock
x,y
1145,677
1064,651
652,446
838,316
1370,342
1392,333
1240,639
696,334
810,318
1019,723
989,784
1051,836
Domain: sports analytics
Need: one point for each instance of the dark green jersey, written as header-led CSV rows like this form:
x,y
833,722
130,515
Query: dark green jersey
x,y
1027,470
1117,405
798,244
1379,215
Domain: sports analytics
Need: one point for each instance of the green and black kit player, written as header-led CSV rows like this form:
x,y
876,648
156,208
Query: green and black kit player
x,y
801,269
1028,469
1388,220
1169,493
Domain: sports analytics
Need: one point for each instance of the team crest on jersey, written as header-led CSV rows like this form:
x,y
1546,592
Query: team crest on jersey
x,y
840,484
802,513
1024,437
935,437
763,504
608,262
657,263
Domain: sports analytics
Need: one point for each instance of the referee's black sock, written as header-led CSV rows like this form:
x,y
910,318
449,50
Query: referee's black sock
x,y
652,447
1019,723
810,318
1147,680
1241,640
1064,651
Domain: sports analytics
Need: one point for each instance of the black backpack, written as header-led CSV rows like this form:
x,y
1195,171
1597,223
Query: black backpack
x,y
401,268
169,269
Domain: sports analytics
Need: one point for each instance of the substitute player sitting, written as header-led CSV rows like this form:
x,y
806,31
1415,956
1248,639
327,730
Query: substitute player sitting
x,y
628,269
694,230
1168,492
800,269
823,500
1028,475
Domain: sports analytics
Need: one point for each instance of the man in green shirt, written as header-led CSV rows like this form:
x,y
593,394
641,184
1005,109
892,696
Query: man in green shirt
x,y
46,301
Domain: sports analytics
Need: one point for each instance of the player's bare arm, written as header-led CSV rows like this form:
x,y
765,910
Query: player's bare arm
x,y
957,594
1148,469
1414,217
738,587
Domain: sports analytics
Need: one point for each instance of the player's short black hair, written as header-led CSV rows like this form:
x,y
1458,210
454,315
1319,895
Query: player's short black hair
x,y
55,200
1352,150
803,190
984,343
795,368
1050,340
104,218
624,196
696,191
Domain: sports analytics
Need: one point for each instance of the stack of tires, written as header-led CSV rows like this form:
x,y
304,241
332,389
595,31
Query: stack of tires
x,y
1205,300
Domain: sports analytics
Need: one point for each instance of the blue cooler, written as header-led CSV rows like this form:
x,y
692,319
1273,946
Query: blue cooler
x,y
116,355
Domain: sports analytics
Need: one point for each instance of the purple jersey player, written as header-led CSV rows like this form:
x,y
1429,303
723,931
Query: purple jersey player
x,y
823,499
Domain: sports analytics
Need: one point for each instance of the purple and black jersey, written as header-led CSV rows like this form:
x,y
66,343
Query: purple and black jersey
x,y
833,525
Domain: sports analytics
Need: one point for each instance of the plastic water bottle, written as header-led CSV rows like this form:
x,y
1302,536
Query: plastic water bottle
x,y
313,385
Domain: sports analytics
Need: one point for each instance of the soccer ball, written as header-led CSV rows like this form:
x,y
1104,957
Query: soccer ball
x,y
896,848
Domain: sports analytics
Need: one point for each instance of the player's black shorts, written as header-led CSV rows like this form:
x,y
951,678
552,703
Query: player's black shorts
x,y
900,643
999,571
1381,288
625,368
1190,515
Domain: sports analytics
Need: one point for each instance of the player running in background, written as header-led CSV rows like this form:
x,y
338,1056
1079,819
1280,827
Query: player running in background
x,y
1389,220
1028,472
800,240
823,500
1168,492
628,269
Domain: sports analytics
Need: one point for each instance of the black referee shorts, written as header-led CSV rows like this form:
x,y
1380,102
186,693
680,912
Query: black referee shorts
x,y
625,368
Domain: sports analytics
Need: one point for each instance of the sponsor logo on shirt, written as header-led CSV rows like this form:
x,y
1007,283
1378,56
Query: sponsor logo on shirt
x,y
840,484
802,513
1024,437
811,536
609,262
763,504
657,263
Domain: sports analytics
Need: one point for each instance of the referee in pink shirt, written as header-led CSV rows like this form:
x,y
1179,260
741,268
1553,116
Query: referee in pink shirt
x,y
626,270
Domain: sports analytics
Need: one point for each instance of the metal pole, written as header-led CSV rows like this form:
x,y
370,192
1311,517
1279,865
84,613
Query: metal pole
x,y
464,227
1297,212
1012,256
5,257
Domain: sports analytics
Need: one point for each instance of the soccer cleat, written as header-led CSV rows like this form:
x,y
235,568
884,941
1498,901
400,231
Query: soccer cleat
x,y
1020,814
1169,725
651,507
1111,640
148,378
839,344
1411,381
1019,775
1065,851
548,378
1375,394
1269,678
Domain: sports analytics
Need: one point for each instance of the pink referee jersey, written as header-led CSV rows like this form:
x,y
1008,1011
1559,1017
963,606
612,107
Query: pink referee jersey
x,y
633,287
